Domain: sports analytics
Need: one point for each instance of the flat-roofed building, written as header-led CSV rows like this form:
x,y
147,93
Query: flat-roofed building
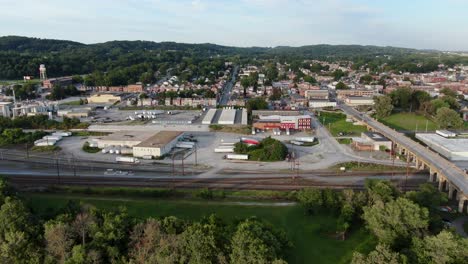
x,y
455,149
377,140
359,100
317,94
5,109
62,81
321,103
74,112
126,139
157,145
104,99
342,94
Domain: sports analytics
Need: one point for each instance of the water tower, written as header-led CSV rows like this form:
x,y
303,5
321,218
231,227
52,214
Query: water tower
x,y
42,72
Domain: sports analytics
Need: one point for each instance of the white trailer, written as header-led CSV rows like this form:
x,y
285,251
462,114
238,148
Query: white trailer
x,y
305,139
185,146
224,150
62,133
126,159
446,133
297,143
237,157
56,138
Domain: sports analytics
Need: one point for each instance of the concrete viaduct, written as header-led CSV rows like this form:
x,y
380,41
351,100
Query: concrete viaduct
x,y
449,177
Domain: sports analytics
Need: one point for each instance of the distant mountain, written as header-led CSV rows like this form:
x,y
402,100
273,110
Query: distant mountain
x,y
25,44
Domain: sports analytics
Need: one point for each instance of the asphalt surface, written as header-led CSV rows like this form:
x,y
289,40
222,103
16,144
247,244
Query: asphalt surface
x,y
226,92
454,174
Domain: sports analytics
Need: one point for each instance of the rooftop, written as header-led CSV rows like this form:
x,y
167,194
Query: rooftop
x,y
449,144
129,136
376,136
160,139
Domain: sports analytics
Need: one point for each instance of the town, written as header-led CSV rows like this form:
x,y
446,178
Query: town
x,y
261,148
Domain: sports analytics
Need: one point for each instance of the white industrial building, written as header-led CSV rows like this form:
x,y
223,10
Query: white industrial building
x,y
158,145
321,103
5,109
227,117
208,119
455,149
125,139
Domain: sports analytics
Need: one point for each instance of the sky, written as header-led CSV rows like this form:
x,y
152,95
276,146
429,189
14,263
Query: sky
x,y
421,24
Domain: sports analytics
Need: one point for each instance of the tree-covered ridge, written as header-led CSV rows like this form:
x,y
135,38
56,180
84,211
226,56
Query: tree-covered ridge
x,y
25,44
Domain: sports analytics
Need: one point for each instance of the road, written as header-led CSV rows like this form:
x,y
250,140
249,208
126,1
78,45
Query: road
x,y
226,92
453,173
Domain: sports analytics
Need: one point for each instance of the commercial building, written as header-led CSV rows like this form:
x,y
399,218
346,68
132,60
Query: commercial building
x,y
455,149
104,99
126,139
157,145
74,112
5,109
301,122
343,94
321,103
357,101
316,94
62,81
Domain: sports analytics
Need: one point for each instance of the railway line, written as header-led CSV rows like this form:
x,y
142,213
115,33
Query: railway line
x,y
273,183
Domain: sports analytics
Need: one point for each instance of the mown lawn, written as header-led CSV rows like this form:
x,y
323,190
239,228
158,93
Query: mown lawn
x,y
312,242
336,124
409,121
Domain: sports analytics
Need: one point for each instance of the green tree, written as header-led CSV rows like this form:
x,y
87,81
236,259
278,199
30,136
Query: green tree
x,y
427,196
310,79
254,243
383,106
448,92
381,255
311,199
59,240
443,248
17,233
448,118
397,221
200,244
401,98
341,86
366,79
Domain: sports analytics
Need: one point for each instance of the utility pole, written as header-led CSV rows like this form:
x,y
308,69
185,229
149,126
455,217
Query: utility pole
x,y
58,169
196,158
27,151
427,123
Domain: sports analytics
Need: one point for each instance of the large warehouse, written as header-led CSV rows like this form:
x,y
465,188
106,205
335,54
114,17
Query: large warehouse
x,y
455,149
158,145
123,139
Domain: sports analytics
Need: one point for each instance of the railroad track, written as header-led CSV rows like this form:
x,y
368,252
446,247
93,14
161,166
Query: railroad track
x,y
281,183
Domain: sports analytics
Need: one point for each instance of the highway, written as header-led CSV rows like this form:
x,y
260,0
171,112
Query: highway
x,y
453,173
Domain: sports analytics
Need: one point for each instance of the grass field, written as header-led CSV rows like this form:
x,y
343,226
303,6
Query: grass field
x,y
409,121
311,242
363,166
336,123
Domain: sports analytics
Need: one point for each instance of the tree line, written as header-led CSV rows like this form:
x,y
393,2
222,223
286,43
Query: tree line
x,y
406,225
81,233
443,109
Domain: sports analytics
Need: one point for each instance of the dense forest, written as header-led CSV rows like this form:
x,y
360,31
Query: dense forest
x,y
144,60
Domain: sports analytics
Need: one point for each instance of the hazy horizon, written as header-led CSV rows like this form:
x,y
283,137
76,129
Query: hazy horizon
x,y
244,23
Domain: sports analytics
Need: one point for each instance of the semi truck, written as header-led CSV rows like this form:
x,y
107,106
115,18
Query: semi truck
x,y
222,149
236,157
127,159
